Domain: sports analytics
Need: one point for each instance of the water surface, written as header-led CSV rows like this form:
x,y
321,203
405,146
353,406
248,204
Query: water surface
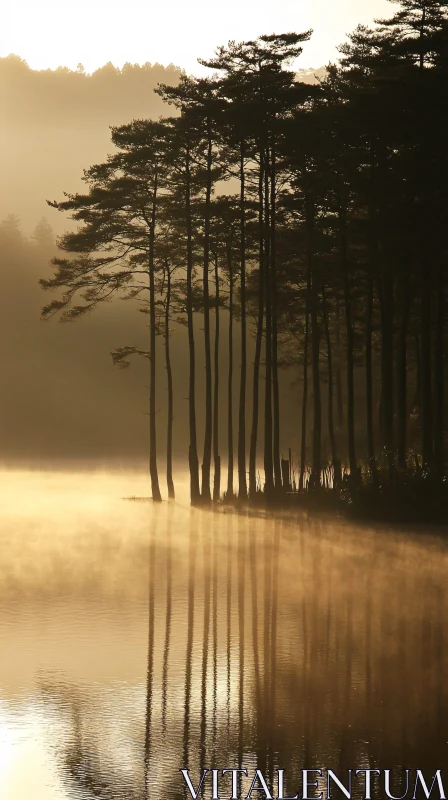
x,y
138,639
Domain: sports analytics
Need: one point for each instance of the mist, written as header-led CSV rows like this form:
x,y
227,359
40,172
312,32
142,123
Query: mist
x,y
61,396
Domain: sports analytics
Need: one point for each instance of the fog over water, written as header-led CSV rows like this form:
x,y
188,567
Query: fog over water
x,y
137,639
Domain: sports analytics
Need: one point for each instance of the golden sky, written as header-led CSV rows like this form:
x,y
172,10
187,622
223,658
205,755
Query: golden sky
x,y
50,33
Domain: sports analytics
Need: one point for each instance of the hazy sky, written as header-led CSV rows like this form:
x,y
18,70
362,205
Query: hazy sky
x,y
50,33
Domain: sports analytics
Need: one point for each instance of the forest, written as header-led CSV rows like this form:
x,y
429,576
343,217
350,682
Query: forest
x,y
289,225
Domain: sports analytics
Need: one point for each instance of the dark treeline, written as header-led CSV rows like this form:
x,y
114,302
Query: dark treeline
x,y
330,256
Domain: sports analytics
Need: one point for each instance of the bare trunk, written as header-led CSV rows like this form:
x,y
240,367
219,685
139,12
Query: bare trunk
x,y
242,482
387,369
425,385
275,390
305,390
369,383
230,382
268,456
338,368
402,374
350,344
169,437
426,415
207,454
334,456
193,450
258,342
156,496
216,456
315,347
439,377
350,380
418,377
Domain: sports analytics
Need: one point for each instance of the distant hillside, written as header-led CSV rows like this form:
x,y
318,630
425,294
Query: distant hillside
x,y
55,123
60,96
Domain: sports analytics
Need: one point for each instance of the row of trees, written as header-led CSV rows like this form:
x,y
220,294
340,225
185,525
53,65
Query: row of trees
x,y
331,255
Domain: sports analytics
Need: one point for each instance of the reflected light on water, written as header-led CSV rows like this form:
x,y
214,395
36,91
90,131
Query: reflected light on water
x,y
139,639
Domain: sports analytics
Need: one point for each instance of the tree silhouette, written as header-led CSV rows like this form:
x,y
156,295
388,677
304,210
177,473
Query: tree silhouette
x,y
116,242
330,259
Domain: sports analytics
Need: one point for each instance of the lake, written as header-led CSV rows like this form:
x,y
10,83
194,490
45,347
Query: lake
x,y
137,639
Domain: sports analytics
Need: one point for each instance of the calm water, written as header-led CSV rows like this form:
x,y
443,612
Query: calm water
x,y
136,640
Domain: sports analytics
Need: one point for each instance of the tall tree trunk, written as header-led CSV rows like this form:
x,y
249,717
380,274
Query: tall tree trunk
x,y
350,378
340,404
315,347
275,389
369,382
193,450
387,349
207,454
372,276
242,482
439,376
216,456
425,350
425,264
418,373
334,456
258,340
156,496
169,436
268,456
402,373
230,493
350,343
305,387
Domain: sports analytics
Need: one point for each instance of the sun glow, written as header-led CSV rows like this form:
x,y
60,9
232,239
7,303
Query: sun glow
x,y
7,754
23,762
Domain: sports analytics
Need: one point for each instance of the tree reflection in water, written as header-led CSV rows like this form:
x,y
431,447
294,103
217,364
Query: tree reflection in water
x,y
290,648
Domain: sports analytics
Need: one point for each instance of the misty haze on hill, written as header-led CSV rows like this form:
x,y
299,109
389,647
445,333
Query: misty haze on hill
x,y
55,124
61,397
